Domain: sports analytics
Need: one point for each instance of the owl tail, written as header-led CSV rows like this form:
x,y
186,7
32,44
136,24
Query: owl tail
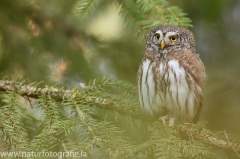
x,y
197,116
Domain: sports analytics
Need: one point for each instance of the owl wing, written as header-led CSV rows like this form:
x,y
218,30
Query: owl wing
x,y
195,75
195,68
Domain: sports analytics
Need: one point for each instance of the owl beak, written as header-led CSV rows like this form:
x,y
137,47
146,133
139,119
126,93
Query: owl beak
x,y
162,44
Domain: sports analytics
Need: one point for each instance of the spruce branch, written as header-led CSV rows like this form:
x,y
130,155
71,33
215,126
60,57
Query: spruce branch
x,y
141,15
97,94
59,94
218,139
11,129
86,6
159,10
32,90
132,16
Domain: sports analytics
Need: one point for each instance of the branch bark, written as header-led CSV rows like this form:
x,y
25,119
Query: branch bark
x,y
33,92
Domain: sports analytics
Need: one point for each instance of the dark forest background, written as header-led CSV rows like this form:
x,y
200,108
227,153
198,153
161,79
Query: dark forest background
x,y
47,41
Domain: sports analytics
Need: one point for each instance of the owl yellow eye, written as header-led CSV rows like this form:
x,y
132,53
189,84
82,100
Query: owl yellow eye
x,y
173,38
157,36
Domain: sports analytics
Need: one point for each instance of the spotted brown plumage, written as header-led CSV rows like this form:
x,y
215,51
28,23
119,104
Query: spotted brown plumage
x,y
171,75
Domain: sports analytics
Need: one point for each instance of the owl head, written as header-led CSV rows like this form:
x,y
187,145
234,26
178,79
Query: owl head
x,y
163,38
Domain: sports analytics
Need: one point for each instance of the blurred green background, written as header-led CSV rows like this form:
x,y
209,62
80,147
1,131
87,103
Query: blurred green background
x,y
47,41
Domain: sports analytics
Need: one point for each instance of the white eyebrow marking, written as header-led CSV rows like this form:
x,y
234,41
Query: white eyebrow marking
x,y
159,31
170,34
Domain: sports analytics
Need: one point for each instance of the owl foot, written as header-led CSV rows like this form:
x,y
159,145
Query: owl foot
x,y
169,118
171,121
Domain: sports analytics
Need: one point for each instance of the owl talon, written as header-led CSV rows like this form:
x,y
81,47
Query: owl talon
x,y
166,117
163,118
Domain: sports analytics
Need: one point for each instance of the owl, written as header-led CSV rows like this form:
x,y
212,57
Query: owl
x,y
171,76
